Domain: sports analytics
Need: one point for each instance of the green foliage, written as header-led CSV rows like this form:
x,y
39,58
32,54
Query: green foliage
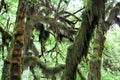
x,y
85,2
111,51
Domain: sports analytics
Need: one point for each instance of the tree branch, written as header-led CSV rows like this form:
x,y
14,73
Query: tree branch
x,y
42,65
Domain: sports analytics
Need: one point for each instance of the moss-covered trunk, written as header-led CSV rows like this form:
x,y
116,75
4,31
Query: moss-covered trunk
x,y
90,18
29,45
95,63
18,45
6,65
30,21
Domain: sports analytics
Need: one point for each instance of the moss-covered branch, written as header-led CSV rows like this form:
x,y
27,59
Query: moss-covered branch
x,y
47,69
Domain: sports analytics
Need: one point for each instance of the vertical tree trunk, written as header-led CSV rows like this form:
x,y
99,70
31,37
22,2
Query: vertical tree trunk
x,y
29,28
95,63
29,45
18,45
90,18
6,65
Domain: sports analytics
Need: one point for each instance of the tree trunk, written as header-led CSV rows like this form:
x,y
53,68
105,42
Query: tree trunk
x,y
6,65
29,29
18,45
90,18
29,45
95,63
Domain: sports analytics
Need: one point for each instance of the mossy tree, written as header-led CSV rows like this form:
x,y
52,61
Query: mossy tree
x,y
18,43
45,18
90,20
99,39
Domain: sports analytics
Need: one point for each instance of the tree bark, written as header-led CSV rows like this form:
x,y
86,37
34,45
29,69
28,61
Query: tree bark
x,y
18,45
29,45
95,63
29,29
90,18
